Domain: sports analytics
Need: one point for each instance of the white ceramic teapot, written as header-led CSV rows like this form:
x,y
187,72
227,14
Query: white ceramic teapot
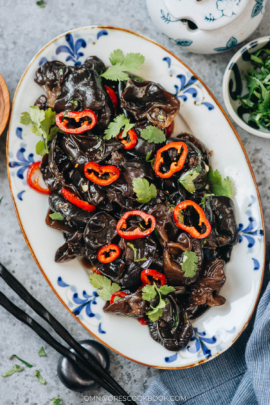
x,y
206,26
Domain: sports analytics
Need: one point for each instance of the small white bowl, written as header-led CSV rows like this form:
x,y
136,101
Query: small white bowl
x,y
234,84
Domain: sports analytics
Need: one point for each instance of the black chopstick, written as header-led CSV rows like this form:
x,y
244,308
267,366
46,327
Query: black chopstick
x,y
89,365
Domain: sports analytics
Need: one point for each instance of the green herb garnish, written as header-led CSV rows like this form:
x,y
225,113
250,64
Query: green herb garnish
x,y
257,101
42,352
153,134
56,401
39,377
1,199
40,3
145,191
187,179
43,124
105,288
75,102
219,186
121,65
203,201
56,216
114,128
149,292
135,253
147,158
15,369
23,361
189,265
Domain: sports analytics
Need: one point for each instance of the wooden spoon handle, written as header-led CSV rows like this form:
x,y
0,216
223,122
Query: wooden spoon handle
x,y
4,105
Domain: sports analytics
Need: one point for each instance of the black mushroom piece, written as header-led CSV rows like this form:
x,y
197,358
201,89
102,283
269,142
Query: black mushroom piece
x,y
143,147
100,231
220,211
50,77
73,248
173,260
148,100
165,224
69,211
205,291
131,305
172,330
82,84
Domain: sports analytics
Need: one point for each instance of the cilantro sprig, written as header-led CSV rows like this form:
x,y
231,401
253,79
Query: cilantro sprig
x,y
135,253
23,361
218,186
189,265
153,134
105,288
42,352
43,124
145,191
114,128
121,64
149,292
257,101
39,377
56,401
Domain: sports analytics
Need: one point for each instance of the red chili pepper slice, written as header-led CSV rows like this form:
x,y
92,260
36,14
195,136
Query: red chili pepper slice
x,y
113,172
94,270
137,233
113,97
191,229
132,139
34,183
143,320
117,294
169,129
108,253
62,122
175,166
153,273
84,205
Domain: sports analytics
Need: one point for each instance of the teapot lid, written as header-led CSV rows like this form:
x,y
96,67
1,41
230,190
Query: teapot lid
x,y
207,14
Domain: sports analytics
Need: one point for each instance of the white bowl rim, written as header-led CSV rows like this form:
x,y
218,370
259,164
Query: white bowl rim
x,y
226,96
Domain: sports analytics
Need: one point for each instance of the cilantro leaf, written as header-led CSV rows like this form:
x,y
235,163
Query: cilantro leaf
x,y
105,288
121,65
116,56
156,312
40,3
115,127
43,124
56,216
187,179
147,158
166,289
42,352
219,186
149,292
56,401
23,361
75,102
15,369
145,192
153,134
39,377
189,265
135,253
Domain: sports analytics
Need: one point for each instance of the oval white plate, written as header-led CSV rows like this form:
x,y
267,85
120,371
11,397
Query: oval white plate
x,y
200,114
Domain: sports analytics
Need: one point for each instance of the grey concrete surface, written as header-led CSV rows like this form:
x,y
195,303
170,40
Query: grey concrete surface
x,y
24,29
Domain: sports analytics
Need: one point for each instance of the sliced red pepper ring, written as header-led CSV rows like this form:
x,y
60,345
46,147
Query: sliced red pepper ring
x,y
143,320
128,144
108,253
110,170
34,183
84,205
113,97
153,273
62,121
136,233
94,270
175,166
191,229
120,294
